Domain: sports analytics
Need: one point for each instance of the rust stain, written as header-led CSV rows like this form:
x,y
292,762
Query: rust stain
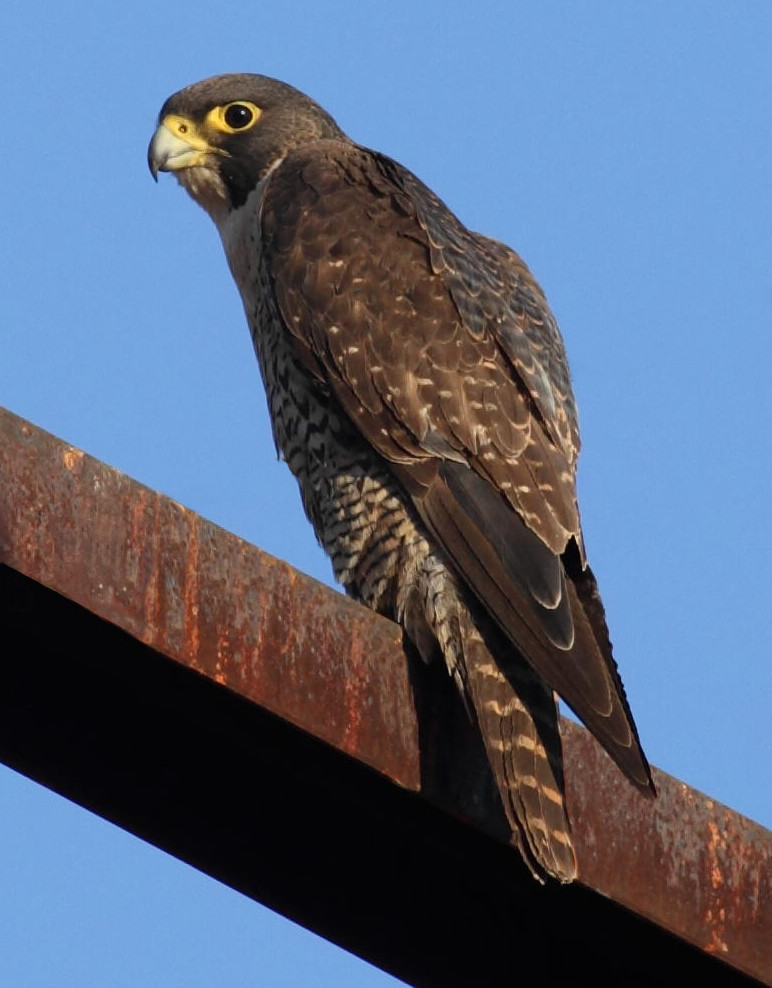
x,y
73,459
715,844
191,586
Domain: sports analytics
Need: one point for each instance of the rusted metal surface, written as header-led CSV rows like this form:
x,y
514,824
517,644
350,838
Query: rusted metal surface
x,y
215,604
684,860
205,598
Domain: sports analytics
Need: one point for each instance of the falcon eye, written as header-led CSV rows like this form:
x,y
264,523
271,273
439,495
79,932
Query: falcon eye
x,y
238,116
229,118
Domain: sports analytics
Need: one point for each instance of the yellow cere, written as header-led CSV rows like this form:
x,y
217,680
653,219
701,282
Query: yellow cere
x,y
187,131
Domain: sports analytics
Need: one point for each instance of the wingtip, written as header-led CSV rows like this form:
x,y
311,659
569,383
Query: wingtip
x,y
650,792
643,782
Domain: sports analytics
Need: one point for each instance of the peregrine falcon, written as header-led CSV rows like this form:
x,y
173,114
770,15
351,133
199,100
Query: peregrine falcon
x,y
419,391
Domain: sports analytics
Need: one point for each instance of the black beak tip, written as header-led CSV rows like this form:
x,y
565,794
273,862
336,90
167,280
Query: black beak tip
x,y
151,164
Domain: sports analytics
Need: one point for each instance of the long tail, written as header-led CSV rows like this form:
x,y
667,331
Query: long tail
x,y
518,719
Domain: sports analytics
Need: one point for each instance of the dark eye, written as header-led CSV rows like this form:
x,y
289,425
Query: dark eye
x,y
238,116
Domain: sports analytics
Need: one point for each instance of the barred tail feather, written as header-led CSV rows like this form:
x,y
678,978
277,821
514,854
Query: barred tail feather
x,y
518,719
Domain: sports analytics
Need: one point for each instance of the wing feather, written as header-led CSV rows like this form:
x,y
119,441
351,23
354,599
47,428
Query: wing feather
x,y
441,348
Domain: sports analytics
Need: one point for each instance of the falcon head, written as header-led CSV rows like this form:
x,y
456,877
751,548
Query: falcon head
x,y
222,136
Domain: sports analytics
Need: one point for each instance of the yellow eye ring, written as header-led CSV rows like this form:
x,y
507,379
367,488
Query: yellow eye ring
x,y
232,118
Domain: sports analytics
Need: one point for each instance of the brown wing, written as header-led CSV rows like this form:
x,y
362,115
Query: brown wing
x,y
441,348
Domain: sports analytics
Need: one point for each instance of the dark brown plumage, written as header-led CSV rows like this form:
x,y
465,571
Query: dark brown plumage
x,y
419,391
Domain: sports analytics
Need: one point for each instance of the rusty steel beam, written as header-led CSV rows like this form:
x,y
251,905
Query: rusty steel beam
x,y
171,751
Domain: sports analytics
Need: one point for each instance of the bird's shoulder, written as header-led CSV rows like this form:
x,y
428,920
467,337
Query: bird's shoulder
x,y
359,208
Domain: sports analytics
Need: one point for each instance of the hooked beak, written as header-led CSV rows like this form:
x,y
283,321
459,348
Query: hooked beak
x,y
176,144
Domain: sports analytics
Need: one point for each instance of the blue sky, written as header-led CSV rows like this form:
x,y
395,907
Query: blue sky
x,y
624,149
